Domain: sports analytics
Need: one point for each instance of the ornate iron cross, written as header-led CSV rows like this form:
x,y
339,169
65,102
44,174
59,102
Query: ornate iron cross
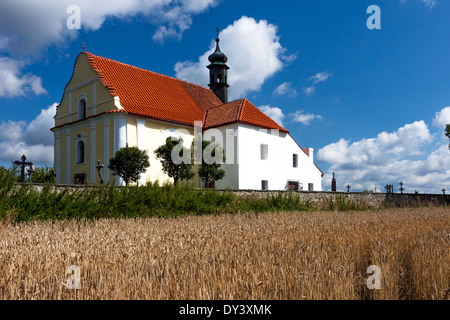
x,y
99,168
23,164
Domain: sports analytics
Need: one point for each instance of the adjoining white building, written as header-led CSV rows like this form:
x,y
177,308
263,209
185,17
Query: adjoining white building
x,y
108,104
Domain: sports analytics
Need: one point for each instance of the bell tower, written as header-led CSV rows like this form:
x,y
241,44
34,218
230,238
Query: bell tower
x,y
218,78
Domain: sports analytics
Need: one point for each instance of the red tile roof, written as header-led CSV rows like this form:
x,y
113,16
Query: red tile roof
x,y
149,94
239,111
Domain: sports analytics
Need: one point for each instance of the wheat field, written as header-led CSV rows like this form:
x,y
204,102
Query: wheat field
x,y
297,255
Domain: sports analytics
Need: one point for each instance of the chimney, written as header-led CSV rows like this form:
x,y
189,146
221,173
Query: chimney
x,y
310,153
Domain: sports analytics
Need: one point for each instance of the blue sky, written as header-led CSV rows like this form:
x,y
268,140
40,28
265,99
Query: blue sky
x,y
372,103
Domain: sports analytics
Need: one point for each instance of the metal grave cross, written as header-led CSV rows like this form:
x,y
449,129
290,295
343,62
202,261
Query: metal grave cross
x,y
23,164
30,171
99,168
333,183
401,187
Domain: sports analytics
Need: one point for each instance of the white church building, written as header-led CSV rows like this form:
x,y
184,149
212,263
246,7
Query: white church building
x,y
107,105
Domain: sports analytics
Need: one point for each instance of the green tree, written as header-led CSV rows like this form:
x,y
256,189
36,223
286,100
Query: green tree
x,y
42,175
178,170
211,172
447,133
128,163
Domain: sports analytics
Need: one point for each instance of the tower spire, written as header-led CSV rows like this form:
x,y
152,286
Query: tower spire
x,y
218,72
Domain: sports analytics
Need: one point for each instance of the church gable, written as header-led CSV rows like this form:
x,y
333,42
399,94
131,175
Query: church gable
x,y
84,95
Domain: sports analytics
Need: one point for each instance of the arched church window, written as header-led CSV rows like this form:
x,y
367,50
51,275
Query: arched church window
x,y
80,148
82,109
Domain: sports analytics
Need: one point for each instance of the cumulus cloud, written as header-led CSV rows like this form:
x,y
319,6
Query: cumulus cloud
x,y
27,26
285,89
442,118
33,139
305,118
388,159
317,78
254,54
276,114
14,83
375,151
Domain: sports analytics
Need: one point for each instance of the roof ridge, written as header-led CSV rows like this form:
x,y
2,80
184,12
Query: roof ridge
x,y
101,75
241,107
146,70
223,104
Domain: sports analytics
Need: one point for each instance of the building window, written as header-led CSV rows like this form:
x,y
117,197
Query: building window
x,y
80,178
80,152
310,186
295,160
264,151
264,185
82,112
80,148
293,185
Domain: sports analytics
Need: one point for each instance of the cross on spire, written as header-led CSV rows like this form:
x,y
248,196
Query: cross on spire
x,y
217,32
84,47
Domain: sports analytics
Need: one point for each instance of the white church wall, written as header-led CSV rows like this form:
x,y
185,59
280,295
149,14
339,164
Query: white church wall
x,y
229,142
150,135
278,169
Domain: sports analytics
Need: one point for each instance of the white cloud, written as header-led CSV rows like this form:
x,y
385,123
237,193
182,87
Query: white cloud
x,y
320,77
254,54
285,88
305,118
317,78
290,58
388,159
276,114
310,90
35,139
14,83
27,26
429,3
442,118
386,147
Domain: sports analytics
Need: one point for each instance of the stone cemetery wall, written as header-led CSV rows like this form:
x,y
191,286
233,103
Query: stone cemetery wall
x,y
374,200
